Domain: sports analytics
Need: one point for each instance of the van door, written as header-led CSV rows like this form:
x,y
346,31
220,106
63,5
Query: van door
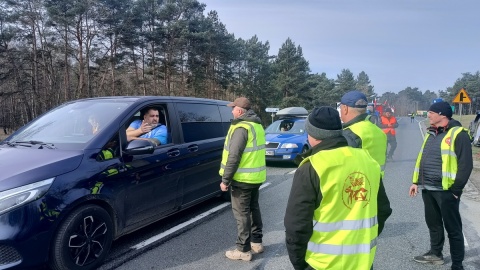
x,y
152,191
203,136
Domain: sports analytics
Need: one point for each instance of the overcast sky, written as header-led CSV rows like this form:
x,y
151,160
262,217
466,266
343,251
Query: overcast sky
x,y
399,43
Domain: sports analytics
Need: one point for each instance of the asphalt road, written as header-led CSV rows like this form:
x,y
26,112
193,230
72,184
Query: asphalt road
x,y
201,244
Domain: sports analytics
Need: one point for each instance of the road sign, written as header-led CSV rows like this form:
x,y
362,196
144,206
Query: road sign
x,y
462,97
272,110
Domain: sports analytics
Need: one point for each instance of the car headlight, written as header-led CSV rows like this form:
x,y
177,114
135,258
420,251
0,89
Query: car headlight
x,y
15,197
289,145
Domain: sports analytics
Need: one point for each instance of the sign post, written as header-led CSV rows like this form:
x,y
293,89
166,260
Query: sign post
x,y
462,98
273,111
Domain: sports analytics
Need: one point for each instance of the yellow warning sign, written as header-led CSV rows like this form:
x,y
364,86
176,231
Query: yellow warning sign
x,y
462,97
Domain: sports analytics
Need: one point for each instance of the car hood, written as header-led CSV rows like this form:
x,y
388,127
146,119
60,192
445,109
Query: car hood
x,y
20,166
284,138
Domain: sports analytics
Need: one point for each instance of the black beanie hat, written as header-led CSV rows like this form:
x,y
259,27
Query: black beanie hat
x,y
324,123
442,108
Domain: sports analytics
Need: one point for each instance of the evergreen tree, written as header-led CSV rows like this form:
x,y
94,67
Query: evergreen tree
x,y
256,78
363,85
345,82
323,93
292,73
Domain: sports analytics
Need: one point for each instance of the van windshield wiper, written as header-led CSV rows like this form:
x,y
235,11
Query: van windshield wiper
x,y
42,144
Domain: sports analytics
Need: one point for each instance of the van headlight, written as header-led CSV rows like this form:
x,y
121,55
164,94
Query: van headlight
x,y
289,145
15,197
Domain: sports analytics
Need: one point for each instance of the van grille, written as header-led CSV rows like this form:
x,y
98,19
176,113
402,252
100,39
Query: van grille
x,y
272,145
9,256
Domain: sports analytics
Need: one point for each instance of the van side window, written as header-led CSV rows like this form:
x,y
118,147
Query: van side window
x,y
227,117
200,121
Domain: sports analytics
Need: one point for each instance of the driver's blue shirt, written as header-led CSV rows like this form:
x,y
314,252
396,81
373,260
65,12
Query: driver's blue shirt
x,y
159,133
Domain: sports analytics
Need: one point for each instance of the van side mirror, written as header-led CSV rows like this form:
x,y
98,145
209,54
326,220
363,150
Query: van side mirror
x,y
139,147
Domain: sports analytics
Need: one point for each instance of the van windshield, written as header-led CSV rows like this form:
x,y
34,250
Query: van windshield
x,y
288,126
70,126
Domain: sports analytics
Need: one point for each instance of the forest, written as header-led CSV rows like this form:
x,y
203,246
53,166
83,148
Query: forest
x,y
53,51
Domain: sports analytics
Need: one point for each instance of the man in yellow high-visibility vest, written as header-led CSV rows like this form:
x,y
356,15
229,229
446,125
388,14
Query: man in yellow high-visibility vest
x,y
243,169
331,220
443,168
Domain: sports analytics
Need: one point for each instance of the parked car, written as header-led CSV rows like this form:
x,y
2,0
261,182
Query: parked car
x,y
475,130
63,200
286,137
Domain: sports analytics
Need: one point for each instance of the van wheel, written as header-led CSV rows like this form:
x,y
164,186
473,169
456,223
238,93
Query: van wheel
x,y
304,149
83,239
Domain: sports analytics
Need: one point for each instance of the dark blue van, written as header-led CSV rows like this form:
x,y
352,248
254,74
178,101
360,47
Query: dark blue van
x,y
72,181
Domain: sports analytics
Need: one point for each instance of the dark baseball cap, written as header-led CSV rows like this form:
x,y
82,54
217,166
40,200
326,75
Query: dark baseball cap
x,y
354,99
241,102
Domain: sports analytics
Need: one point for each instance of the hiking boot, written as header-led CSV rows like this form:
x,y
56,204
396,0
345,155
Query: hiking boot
x,y
457,267
429,257
238,255
257,247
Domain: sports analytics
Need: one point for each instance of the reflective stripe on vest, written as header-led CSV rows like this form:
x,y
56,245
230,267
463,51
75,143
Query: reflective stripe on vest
x,y
373,140
345,223
252,168
343,249
449,158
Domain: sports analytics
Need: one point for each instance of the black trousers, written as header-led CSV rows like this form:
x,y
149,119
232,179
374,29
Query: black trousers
x,y
442,210
392,140
246,211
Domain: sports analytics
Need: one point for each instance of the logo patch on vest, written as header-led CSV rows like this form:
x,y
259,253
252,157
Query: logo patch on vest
x,y
448,141
356,189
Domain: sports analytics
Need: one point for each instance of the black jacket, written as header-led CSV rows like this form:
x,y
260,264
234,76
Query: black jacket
x,y
306,193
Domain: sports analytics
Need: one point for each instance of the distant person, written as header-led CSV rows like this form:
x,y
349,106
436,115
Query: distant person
x,y
149,128
442,170
389,124
243,169
412,118
372,115
331,217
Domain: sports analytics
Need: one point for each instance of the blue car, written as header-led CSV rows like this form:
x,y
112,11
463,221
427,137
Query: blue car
x,y
286,137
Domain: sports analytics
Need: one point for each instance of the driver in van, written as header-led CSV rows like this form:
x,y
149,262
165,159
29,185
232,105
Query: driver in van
x,y
149,128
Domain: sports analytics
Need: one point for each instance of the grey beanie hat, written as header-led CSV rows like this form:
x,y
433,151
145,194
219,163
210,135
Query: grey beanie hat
x,y
324,123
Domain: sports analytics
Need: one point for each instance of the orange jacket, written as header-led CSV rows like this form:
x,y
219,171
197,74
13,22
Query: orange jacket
x,y
389,124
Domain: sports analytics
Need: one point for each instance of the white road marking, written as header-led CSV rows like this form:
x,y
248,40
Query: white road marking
x,y
157,237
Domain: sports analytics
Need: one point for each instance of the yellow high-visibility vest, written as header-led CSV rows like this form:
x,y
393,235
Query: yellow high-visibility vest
x,y
449,158
345,225
374,140
252,168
